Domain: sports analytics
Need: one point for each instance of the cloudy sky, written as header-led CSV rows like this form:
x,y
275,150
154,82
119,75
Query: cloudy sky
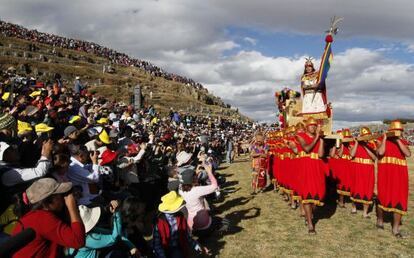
x,y
245,50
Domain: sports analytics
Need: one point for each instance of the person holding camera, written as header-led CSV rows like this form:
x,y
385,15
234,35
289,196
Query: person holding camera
x,y
100,240
48,199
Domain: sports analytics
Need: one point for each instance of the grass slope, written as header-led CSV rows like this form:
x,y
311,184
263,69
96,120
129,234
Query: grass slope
x,y
265,226
118,86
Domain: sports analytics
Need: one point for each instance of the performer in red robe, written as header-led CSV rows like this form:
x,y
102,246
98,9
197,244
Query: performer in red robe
x,y
259,156
342,169
363,157
392,178
313,174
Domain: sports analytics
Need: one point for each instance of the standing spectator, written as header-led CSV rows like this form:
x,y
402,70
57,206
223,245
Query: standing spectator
x,y
83,174
78,85
229,150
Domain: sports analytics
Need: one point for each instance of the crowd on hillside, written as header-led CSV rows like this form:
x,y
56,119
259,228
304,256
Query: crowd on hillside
x,y
85,173
14,30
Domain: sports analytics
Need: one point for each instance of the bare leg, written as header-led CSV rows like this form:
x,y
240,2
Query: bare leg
x,y
308,215
396,223
380,218
302,209
366,207
354,209
341,201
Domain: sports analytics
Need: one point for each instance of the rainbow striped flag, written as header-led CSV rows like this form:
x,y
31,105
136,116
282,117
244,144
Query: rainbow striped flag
x,y
325,62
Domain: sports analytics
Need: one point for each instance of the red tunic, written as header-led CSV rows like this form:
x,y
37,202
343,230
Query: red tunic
x,y
260,166
312,175
393,179
344,175
296,167
288,169
364,172
276,162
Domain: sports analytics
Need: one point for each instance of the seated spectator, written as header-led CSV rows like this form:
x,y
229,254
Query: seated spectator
x,y
47,199
82,173
98,238
171,234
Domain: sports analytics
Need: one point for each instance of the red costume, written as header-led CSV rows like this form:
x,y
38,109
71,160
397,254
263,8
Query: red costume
x,y
344,175
362,189
260,166
393,179
312,174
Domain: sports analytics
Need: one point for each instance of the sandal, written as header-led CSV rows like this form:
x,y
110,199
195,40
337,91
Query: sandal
x,y
311,231
366,216
353,212
379,226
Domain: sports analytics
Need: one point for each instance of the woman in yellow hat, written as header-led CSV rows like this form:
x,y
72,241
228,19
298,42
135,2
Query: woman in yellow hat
x,y
392,178
363,157
171,234
312,174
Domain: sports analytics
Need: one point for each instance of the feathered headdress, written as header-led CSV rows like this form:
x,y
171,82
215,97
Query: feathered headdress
x,y
308,62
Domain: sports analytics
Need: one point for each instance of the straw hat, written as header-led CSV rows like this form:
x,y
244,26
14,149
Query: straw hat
x,y
171,203
89,216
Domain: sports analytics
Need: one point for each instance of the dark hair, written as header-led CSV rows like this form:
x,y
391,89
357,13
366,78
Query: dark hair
x,y
43,203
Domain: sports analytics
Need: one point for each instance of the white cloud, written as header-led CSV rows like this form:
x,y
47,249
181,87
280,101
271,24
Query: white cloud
x,y
189,37
251,41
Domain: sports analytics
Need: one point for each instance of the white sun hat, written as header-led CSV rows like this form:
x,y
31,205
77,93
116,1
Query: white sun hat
x,y
89,216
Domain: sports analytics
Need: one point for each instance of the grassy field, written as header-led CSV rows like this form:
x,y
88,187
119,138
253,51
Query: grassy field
x,y
265,226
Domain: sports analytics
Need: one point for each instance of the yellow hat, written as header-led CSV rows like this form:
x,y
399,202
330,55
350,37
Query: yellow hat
x,y
6,96
311,121
364,131
103,121
74,119
35,93
43,128
23,127
396,125
171,203
346,133
104,137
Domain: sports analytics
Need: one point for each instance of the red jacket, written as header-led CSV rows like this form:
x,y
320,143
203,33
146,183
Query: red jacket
x,y
51,235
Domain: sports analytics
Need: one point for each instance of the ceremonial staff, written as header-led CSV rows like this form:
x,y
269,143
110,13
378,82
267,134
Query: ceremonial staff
x,y
327,54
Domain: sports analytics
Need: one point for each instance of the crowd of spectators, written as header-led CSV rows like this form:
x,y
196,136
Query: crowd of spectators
x,y
84,172
115,57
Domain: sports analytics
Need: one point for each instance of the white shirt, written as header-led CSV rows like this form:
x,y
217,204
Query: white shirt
x,y
13,176
83,175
